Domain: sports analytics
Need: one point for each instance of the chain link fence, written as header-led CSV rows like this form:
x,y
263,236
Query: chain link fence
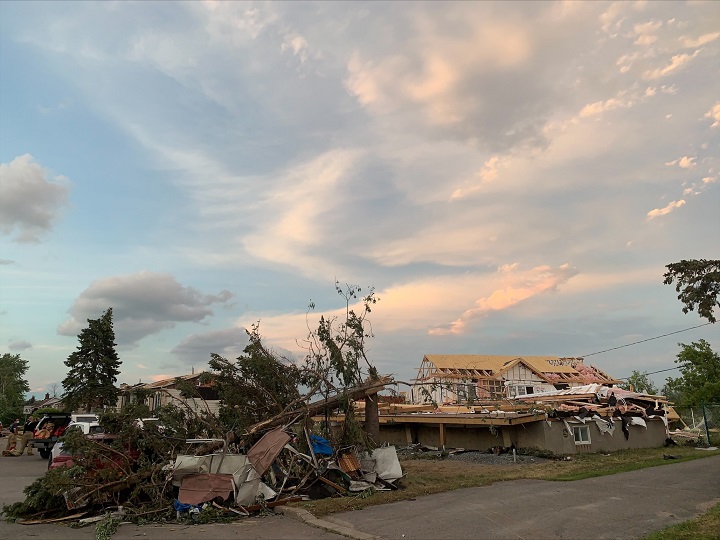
x,y
696,424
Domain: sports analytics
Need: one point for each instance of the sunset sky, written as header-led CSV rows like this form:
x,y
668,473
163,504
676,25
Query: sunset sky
x,y
510,177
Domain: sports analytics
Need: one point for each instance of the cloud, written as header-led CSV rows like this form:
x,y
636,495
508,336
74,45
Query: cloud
x,y
517,287
676,62
704,39
685,162
714,114
5,262
196,349
31,199
144,303
672,205
20,345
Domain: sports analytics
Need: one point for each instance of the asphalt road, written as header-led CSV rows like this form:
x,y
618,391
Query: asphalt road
x,y
628,505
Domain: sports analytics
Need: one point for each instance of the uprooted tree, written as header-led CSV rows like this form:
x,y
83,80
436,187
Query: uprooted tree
x,y
260,391
261,388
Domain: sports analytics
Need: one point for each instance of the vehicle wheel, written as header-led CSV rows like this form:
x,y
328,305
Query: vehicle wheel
x,y
44,454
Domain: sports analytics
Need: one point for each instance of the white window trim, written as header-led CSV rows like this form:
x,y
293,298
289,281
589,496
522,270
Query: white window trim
x,y
580,430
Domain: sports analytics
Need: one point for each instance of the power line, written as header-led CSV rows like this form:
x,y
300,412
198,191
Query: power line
x,y
644,340
652,372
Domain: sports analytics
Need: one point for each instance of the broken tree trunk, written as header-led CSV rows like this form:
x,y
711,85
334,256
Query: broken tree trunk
x,y
372,418
311,409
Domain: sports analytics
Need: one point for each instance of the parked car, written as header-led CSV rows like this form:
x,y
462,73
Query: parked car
x,y
65,458
87,428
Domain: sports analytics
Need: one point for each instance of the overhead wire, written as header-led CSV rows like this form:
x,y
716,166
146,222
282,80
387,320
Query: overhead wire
x,y
644,340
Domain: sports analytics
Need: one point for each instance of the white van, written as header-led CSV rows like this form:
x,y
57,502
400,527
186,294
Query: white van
x,y
87,417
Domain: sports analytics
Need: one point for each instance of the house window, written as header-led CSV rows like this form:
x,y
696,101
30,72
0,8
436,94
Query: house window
x,y
581,434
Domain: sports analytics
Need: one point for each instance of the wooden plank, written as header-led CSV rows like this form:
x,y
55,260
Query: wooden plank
x,y
52,520
332,484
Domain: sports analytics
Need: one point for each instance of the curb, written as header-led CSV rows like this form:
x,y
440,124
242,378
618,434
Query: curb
x,y
306,517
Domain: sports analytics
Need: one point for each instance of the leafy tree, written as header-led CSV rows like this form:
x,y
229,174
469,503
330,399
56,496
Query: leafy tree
x,y
698,282
700,379
640,382
337,359
94,367
257,385
13,386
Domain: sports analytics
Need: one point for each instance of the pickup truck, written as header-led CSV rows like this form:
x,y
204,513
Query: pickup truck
x,y
48,431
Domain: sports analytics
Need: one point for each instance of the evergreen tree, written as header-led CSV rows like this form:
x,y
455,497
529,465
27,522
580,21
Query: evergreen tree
x,y
94,367
13,386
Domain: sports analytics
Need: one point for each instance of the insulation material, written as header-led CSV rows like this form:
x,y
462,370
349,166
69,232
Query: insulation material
x,y
636,421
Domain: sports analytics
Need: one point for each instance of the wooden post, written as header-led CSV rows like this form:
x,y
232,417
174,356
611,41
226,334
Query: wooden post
x,y
408,434
442,435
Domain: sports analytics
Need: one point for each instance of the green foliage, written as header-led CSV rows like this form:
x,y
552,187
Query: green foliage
x,y
256,386
639,382
39,498
46,410
106,528
13,386
700,379
698,282
94,367
337,359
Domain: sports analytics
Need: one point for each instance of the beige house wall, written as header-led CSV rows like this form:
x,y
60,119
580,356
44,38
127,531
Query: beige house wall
x,y
550,436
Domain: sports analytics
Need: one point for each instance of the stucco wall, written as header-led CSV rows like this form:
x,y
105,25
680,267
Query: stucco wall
x,y
553,437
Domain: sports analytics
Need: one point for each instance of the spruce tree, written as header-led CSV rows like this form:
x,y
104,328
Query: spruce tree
x,y
94,367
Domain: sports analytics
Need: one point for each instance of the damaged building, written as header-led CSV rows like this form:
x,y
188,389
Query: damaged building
x,y
554,404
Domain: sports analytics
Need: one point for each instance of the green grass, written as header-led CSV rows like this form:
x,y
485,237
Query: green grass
x,y
705,527
424,476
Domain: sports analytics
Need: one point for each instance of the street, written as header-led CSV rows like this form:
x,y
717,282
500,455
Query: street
x,y
626,505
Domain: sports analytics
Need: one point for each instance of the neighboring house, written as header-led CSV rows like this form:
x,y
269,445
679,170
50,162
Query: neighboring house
x,y
47,403
166,392
468,378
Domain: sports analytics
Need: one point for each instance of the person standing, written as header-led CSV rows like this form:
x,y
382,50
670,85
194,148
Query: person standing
x,y
28,433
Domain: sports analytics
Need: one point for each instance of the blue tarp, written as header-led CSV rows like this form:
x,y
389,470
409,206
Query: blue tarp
x,y
321,446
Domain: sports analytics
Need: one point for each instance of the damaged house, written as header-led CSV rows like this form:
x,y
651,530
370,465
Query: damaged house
x,y
467,378
550,403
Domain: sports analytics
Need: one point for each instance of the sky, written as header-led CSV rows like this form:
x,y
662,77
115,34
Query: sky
x,y
510,177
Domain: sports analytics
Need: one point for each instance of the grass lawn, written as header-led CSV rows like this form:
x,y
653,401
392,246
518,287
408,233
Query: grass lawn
x,y
426,476
705,527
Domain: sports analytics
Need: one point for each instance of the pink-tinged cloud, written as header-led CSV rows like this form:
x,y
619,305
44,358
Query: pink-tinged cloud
x,y
676,62
714,114
672,205
517,287
685,162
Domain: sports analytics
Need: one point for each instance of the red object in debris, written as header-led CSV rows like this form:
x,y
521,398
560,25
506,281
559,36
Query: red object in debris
x,y
65,459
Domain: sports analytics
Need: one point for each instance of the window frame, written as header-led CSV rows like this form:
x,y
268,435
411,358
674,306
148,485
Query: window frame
x,y
579,430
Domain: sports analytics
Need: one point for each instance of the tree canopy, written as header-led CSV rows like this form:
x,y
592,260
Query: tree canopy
x,y
700,376
640,382
94,367
13,386
698,282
